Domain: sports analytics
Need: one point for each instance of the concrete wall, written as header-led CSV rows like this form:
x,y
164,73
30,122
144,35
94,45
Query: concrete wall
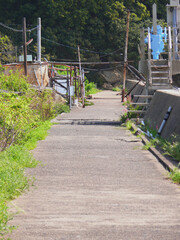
x,y
37,74
159,105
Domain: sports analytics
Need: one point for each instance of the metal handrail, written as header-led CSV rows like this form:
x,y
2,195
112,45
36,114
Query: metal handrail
x,y
170,54
149,55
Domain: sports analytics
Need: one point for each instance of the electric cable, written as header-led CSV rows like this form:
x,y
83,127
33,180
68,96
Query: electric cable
x,y
17,30
103,69
82,49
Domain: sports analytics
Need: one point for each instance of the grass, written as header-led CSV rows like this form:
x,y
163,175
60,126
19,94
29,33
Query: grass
x,y
90,88
60,108
116,89
88,103
171,147
92,91
13,163
175,175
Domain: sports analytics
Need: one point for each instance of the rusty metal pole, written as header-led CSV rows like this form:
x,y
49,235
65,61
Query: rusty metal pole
x,y
125,56
24,46
81,80
75,77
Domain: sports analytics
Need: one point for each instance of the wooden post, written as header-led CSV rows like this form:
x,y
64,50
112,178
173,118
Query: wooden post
x,y
125,56
24,46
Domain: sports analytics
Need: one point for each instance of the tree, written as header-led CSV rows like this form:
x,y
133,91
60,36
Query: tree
x,y
7,50
95,25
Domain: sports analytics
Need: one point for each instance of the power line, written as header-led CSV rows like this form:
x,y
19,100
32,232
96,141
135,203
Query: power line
x,y
13,29
111,53
64,45
103,69
84,50
17,30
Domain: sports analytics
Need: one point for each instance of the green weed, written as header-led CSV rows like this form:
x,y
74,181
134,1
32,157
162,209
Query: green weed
x,y
13,162
13,82
129,115
175,175
24,120
90,88
171,147
60,108
88,103
116,89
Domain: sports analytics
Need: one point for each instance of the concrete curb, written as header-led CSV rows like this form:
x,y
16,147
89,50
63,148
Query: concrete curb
x,y
167,164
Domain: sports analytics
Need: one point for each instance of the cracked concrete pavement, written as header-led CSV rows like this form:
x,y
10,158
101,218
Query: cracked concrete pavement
x,y
97,183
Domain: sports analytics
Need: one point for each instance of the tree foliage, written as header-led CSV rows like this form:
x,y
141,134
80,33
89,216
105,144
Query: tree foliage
x,y
95,25
6,49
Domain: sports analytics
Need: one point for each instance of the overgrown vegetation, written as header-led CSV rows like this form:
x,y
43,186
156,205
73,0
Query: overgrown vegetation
x,y
116,89
24,120
13,81
13,162
90,88
175,175
128,115
60,108
170,147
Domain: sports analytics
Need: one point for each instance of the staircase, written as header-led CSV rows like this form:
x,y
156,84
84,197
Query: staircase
x,y
160,71
140,108
160,76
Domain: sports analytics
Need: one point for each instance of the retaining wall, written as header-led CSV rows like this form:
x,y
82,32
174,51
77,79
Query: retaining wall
x,y
159,105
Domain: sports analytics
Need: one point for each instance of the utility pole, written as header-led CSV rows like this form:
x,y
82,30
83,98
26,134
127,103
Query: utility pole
x,y
24,46
125,57
39,39
81,80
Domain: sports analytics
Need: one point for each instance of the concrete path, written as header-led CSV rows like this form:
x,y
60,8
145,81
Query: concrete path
x,y
97,183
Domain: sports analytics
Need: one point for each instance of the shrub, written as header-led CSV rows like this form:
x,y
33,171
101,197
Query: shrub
x,y
42,102
175,175
16,119
13,82
90,88
60,108
13,162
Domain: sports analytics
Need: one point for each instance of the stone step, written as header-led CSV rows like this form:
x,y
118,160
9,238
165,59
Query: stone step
x,y
160,72
159,66
143,96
